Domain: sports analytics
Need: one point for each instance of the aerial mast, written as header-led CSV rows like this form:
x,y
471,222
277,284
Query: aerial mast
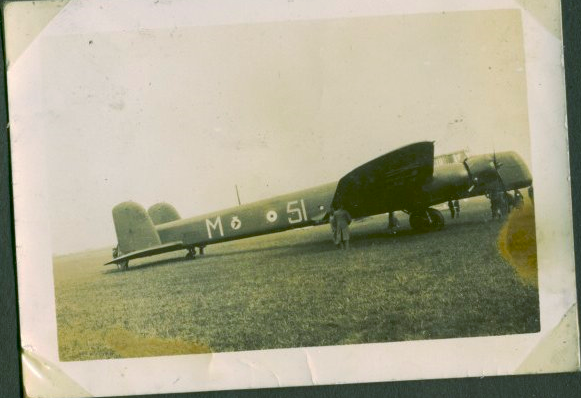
x,y
237,194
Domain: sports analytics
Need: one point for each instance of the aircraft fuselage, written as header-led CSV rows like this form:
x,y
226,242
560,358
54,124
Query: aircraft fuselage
x,y
294,210
310,206
405,179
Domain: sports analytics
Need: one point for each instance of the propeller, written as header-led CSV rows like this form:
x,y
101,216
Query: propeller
x,y
487,175
497,165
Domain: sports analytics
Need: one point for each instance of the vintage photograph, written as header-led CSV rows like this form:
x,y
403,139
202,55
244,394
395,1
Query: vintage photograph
x,y
217,135
323,182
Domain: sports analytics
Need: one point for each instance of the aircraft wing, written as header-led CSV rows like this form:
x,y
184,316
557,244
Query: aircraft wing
x,y
372,185
150,251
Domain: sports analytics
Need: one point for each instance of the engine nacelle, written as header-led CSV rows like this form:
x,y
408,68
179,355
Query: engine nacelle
x,y
501,171
482,170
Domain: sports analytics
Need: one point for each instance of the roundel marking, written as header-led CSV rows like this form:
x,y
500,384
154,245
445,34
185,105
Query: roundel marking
x,y
271,216
235,223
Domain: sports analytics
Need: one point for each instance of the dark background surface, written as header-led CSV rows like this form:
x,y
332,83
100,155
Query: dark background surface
x,y
552,385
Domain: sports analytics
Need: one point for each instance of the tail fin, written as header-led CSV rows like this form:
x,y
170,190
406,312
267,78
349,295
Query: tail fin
x,y
161,213
134,227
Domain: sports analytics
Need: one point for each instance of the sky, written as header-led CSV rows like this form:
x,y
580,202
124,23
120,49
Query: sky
x,y
182,115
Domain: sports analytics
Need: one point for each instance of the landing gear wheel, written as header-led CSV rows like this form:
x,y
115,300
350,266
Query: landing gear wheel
x,y
437,219
123,265
116,252
191,253
419,221
427,220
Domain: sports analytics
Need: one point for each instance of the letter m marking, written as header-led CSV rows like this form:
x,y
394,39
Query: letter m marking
x,y
212,226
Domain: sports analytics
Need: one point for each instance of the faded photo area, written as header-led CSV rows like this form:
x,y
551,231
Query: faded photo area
x,y
375,174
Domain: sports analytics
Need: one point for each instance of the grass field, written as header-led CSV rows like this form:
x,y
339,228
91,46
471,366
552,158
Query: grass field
x,y
295,289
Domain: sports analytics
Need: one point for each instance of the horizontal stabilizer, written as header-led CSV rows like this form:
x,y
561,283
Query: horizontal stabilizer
x,y
150,251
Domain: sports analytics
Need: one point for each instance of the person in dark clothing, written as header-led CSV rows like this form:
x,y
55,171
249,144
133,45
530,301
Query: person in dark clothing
x,y
333,223
452,208
393,225
518,199
510,203
498,205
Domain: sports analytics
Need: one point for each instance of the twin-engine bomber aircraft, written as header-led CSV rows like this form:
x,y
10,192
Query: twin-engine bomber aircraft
x,y
405,179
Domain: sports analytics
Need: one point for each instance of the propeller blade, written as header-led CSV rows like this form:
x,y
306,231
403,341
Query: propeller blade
x,y
497,166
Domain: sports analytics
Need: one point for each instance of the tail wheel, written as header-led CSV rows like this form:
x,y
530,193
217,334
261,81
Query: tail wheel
x,y
123,265
191,253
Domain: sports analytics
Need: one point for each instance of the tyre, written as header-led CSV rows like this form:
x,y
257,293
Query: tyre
x,y
436,219
420,221
427,220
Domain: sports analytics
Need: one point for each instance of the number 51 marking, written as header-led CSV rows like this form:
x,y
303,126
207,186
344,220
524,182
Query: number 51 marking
x,y
296,213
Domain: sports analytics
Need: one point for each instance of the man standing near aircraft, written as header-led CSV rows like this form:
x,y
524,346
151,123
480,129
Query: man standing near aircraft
x,y
509,199
498,204
333,223
452,208
342,219
518,199
393,225
456,204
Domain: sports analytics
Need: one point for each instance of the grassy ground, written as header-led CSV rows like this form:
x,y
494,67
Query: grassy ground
x,y
295,289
